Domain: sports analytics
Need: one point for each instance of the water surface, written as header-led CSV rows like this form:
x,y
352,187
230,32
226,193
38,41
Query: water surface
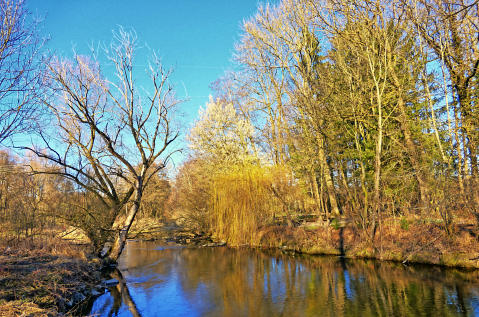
x,y
173,281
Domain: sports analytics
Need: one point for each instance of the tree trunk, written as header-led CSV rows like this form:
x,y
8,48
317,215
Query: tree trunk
x,y
315,191
411,147
413,153
327,178
351,199
120,240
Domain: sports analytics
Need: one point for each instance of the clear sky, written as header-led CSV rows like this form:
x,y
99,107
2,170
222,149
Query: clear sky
x,y
196,37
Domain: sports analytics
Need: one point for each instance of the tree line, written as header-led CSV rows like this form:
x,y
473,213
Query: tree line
x,y
366,108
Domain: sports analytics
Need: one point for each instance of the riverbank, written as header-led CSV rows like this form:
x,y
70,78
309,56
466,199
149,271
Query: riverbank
x,y
399,240
53,279
47,280
406,242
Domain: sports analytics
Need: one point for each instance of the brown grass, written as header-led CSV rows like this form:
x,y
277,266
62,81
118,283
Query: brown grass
x,y
25,309
38,279
418,242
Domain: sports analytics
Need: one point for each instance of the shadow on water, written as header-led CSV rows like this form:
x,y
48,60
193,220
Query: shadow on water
x,y
243,282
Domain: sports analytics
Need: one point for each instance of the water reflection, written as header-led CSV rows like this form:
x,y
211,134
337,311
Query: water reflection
x,y
173,281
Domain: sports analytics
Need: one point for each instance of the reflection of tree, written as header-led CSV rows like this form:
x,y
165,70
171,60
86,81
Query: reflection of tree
x,y
119,295
248,282
122,294
232,282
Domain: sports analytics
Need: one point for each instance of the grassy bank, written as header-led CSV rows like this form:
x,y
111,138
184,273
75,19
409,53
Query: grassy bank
x,y
45,280
396,240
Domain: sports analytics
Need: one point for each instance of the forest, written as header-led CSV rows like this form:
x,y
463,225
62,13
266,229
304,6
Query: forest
x,y
346,127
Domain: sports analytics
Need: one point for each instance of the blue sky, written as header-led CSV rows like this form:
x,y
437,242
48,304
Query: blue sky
x,y
196,37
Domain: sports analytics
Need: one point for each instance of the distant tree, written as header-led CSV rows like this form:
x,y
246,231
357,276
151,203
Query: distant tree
x,y
192,194
264,76
28,203
156,197
111,138
222,134
20,68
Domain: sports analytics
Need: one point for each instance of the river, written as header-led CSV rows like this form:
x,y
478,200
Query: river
x,y
160,280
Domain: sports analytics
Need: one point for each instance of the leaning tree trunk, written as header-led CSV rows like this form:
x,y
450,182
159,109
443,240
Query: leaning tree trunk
x,y
120,239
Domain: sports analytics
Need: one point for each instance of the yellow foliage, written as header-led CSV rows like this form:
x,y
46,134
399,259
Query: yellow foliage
x,y
243,201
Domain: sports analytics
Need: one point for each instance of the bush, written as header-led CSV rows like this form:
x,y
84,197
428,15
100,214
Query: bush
x,y
404,223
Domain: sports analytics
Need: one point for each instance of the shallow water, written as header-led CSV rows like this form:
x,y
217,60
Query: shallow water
x,y
175,281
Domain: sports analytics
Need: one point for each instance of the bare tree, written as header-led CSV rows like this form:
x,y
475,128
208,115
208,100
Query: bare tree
x,y
20,75
450,29
112,135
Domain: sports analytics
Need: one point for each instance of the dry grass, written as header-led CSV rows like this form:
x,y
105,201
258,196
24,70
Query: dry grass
x,y
146,228
416,242
25,309
52,246
38,279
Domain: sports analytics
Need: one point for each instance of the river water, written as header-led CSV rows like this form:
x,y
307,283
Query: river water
x,y
160,280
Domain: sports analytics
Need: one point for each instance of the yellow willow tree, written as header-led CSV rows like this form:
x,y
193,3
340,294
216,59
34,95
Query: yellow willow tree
x,y
240,194
111,137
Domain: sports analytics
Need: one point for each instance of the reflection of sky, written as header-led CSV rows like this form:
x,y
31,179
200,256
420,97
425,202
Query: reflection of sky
x,y
221,282
276,283
347,284
104,303
168,299
474,302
